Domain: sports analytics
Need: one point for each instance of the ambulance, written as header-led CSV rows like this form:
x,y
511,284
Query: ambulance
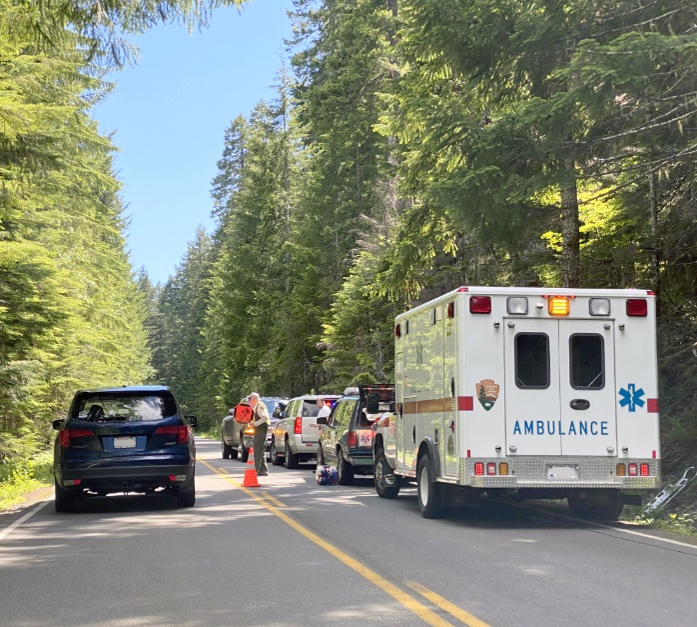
x,y
524,393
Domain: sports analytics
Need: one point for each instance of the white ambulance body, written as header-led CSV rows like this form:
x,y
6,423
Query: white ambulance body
x,y
525,392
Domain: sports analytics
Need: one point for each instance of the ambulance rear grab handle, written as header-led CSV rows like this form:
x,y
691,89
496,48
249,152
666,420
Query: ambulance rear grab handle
x,y
579,403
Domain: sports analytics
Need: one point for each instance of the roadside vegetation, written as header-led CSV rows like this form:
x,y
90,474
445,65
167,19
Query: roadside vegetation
x,y
413,146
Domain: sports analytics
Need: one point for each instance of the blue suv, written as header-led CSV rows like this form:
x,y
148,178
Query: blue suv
x,y
127,439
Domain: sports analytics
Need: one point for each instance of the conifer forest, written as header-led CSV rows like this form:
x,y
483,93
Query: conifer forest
x,y
413,146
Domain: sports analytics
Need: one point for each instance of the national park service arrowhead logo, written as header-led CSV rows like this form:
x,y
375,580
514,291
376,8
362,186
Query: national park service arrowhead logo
x,y
487,393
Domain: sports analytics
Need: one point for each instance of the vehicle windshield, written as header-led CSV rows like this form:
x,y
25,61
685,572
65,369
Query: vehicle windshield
x,y
123,408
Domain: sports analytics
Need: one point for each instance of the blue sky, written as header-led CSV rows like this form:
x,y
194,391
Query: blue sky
x,y
170,112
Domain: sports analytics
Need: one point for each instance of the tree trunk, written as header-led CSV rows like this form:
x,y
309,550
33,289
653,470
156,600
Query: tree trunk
x,y
655,247
570,267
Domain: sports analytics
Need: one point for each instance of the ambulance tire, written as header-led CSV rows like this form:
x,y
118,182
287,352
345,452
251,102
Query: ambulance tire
x,y
430,492
386,484
344,469
607,511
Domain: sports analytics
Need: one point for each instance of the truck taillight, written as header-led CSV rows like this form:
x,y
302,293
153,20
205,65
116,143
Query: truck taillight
x,y
479,468
298,425
480,304
632,470
68,434
644,470
637,307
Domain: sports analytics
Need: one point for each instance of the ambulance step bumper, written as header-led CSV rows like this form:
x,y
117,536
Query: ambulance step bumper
x,y
559,472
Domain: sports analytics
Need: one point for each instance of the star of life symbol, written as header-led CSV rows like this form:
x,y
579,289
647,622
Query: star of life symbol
x,y
631,397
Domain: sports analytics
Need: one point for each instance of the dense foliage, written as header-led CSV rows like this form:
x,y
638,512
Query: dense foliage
x,y
426,144
71,313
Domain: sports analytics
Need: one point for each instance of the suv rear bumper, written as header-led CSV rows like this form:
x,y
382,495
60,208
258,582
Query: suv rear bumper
x,y
129,478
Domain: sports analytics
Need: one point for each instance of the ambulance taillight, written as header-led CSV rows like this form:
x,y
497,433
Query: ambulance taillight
x,y
479,468
621,470
491,469
644,470
637,307
633,471
480,304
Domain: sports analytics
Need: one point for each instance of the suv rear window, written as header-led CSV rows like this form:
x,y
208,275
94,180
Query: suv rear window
x,y
310,409
106,407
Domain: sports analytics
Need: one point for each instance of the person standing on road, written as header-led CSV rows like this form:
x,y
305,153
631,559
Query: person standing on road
x,y
261,422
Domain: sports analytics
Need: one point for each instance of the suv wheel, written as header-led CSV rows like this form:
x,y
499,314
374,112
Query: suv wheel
x,y
291,458
276,459
344,469
188,498
386,484
243,453
65,501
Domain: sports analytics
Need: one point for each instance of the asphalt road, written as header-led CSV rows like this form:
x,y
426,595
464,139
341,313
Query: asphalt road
x,y
294,553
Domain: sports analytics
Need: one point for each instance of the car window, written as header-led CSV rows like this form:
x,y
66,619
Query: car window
x,y
310,408
343,413
293,409
105,407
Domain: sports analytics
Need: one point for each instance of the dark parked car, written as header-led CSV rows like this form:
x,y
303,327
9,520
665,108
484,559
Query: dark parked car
x,y
128,439
346,440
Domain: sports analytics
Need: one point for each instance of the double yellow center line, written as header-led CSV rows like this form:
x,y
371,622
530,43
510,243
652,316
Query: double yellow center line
x,y
274,506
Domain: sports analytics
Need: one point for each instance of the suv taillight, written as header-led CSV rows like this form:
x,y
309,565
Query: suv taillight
x,y
298,425
181,431
351,438
68,434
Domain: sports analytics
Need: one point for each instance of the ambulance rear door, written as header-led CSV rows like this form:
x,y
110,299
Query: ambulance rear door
x,y
588,418
531,353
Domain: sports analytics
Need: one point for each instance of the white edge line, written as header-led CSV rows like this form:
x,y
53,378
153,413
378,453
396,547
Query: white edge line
x,y
620,529
10,528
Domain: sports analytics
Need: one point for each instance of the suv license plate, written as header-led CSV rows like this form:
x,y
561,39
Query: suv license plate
x,y
562,473
125,442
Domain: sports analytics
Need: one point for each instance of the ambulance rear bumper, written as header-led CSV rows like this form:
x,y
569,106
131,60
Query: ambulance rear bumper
x,y
560,472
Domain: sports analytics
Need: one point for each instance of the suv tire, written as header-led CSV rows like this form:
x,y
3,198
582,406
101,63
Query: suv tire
x,y
386,484
65,501
291,460
344,469
276,459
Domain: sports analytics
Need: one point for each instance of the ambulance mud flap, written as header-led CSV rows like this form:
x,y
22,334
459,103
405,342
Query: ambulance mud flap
x,y
429,447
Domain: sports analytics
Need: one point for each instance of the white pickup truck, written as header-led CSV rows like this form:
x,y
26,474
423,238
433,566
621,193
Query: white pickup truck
x,y
296,438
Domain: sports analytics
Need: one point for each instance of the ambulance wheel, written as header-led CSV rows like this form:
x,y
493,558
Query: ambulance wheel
x,y
596,511
386,484
344,469
291,460
430,492
276,459
227,450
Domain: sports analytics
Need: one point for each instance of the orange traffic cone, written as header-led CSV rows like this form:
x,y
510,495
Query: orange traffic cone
x,y
250,474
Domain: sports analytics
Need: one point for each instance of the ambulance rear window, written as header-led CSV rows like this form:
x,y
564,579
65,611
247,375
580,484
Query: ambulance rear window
x,y
587,362
532,360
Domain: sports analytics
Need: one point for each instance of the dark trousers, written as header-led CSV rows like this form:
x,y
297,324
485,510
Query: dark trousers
x,y
260,448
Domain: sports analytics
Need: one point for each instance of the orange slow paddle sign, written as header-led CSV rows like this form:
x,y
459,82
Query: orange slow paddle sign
x,y
243,413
